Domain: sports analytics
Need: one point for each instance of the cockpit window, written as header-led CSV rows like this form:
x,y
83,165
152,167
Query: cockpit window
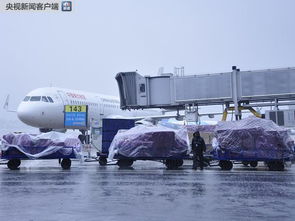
x,y
35,98
50,99
44,99
26,98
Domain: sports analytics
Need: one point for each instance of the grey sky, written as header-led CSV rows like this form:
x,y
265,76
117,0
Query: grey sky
x,y
84,49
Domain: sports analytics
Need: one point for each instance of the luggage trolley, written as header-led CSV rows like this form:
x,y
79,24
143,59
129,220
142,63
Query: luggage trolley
x,y
15,156
110,129
226,159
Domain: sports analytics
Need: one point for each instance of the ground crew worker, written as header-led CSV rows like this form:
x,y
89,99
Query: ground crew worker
x,y
82,138
198,147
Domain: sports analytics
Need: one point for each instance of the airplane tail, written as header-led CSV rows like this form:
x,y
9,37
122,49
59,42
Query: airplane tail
x,y
6,105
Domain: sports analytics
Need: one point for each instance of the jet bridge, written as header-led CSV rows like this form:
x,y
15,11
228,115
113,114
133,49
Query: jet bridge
x,y
240,88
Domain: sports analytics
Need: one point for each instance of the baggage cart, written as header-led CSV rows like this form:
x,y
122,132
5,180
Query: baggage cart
x,y
110,129
15,156
227,158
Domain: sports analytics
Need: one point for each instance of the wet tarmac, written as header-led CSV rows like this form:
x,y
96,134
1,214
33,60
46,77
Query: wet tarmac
x,y
41,190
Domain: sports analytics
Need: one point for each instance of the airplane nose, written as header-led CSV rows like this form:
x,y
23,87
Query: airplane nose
x,y
24,114
39,115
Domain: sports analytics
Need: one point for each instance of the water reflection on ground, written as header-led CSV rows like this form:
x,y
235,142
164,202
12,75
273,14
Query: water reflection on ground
x,y
41,190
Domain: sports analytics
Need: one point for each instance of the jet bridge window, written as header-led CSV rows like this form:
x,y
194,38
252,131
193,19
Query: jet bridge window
x,y
44,99
50,99
26,98
35,98
142,88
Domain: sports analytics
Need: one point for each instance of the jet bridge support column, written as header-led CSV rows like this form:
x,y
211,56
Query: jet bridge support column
x,y
235,88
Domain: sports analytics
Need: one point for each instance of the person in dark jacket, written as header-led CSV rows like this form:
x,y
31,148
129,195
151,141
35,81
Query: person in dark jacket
x,y
82,138
198,148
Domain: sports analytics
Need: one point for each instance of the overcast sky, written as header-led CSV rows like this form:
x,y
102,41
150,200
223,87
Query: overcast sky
x,y
84,49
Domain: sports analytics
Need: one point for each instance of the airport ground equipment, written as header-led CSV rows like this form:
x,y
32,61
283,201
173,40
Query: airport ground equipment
x,y
235,89
226,161
110,129
14,157
251,140
15,147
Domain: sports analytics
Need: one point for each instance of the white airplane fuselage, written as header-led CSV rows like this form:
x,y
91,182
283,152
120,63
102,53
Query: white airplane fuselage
x,y
44,107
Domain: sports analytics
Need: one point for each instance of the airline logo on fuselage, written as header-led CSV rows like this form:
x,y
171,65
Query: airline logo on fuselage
x,y
79,96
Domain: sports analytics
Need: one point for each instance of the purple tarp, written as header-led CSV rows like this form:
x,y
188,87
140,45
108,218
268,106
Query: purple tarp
x,y
254,138
37,146
145,141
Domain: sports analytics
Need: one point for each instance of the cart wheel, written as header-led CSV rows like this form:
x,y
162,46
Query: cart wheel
x,y
102,161
225,164
245,163
124,163
66,163
253,163
13,164
276,165
179,163
173,164
280,166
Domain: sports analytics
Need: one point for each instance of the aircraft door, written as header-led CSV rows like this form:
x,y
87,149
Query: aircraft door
x,y
63,97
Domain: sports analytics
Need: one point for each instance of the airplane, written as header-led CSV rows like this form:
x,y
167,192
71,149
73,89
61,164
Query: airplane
x,y
44,108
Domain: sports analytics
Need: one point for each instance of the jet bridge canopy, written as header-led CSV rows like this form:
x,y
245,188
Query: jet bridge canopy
x,y
168,91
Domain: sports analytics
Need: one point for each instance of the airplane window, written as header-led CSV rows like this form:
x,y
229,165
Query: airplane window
x,y
50,99
35,98
44,99
26,98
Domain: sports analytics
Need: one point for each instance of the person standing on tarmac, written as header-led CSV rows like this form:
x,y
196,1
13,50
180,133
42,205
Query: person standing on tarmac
x,y
82,138
198,147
